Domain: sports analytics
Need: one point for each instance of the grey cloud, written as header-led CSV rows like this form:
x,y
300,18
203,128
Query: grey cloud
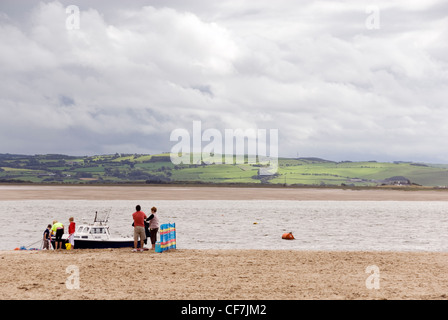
x,y
133,73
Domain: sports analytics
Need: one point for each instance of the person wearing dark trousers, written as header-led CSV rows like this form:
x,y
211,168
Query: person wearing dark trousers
x,y
153,226
58,230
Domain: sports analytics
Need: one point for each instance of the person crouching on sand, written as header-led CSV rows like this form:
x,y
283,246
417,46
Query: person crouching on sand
x,y
139,227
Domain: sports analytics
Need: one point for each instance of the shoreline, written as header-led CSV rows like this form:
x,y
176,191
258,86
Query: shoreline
x,y
224,274
187,192
187,274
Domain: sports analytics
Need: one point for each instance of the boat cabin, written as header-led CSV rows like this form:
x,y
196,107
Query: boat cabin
x,y
92,232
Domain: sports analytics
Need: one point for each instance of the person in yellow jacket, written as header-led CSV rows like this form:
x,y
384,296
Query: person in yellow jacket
x,y
58,230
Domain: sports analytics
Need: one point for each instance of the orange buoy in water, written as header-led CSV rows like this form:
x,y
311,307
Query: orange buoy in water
x,y
288,236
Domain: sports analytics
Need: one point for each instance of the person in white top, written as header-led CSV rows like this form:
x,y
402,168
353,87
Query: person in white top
x,y
153,226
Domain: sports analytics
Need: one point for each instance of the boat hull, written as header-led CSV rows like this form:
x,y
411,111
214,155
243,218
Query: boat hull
x,y
101,244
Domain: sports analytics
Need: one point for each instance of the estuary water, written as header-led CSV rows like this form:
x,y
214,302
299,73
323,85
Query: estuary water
x,y
255,224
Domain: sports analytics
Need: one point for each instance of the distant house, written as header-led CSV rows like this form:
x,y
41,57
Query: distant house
x,y
398,181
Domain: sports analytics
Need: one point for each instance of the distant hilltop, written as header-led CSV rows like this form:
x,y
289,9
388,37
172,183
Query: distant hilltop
x,y
158,169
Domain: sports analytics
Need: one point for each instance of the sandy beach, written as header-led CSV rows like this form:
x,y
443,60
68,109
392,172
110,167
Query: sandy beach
x,y
220,274
174,192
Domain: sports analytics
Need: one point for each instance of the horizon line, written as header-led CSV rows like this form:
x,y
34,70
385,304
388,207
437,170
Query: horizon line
x,y
122,154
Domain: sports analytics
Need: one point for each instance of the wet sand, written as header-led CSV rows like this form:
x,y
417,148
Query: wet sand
x,y
29,192
222,274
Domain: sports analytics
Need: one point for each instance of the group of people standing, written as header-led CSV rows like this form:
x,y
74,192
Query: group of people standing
x,y
57,230
144,228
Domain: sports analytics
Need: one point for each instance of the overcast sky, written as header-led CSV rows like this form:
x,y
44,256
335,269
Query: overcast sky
x,y
321,72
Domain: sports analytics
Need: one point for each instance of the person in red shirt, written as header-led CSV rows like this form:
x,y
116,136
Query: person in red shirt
x,y
139,227
71,232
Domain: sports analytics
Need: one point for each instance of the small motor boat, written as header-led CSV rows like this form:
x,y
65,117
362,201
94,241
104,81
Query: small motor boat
x,y
97,235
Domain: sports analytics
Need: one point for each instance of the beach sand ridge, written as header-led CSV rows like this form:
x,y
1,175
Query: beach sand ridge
x,y
222,274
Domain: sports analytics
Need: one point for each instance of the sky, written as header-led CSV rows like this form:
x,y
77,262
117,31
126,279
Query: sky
x,y
340,80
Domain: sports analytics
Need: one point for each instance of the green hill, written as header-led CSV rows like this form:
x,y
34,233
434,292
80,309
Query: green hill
x,y
141,168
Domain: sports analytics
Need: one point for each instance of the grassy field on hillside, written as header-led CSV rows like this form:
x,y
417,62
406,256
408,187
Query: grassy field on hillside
x,y
140,168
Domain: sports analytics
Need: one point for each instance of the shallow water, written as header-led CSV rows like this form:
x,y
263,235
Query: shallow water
x,y
217,224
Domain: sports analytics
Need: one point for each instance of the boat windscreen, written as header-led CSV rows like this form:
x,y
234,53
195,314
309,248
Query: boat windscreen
x,y
101,216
